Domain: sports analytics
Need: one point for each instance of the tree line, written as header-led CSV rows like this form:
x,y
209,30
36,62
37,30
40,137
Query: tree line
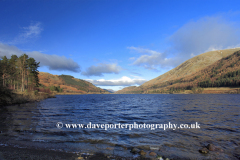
x,y
230,79
19,73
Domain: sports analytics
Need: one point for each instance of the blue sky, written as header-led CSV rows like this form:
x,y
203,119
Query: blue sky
x,y
116,43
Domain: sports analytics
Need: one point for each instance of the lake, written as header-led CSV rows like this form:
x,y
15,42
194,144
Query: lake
x,y
35,125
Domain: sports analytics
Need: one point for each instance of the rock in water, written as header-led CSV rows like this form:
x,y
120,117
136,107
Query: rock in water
x,y
211,147
152,154
142,153
219,149
203,150
154,148
134,150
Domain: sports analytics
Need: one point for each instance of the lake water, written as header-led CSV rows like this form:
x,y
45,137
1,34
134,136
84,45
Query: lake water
x,y
34,124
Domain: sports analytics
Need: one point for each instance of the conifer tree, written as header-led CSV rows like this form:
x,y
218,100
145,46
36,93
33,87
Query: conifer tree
x,y
4,69
13,70
22,65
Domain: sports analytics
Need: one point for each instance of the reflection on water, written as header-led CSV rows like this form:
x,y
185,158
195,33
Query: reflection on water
x,y
34,124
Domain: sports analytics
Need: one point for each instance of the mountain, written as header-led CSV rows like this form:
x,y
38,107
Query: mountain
x,y
68,84
130,90
189,74
110,90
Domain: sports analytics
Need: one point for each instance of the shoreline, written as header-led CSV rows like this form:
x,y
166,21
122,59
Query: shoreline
x,y
13,153
21,98
210,90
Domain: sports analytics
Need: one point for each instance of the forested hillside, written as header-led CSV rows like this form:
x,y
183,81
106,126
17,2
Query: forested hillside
x,y
223,73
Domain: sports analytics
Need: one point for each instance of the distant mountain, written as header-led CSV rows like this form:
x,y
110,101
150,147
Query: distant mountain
x,y
194,73
130,90
110,90
69,84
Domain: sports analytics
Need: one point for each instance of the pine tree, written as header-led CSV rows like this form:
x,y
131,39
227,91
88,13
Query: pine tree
x,y
32,72
4,69
13,70
22,65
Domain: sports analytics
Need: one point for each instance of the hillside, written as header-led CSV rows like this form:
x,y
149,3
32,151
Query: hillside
x,y
193,73
110,90
130,90
69,84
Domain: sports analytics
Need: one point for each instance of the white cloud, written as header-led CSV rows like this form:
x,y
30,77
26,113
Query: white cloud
x,y
53,62
152,59
142,50
132,58
33,30
135,76
102,68
28,33
192,55
123,81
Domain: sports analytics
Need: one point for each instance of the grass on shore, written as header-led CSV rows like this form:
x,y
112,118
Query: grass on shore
x,y
7,97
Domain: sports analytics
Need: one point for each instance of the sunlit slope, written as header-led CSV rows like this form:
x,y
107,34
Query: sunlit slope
x,y
175,76
223,76
192,65
69,84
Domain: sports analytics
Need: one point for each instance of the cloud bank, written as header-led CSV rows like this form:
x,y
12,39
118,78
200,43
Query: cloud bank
x,y
102,68
124,81
194,38
53,62
206,34
152,59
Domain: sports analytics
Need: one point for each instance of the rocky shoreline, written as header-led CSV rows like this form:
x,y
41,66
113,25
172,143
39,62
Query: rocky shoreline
x,y
12,153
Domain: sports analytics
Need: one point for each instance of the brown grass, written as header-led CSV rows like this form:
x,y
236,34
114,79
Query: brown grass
x,y
19,97
48,80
